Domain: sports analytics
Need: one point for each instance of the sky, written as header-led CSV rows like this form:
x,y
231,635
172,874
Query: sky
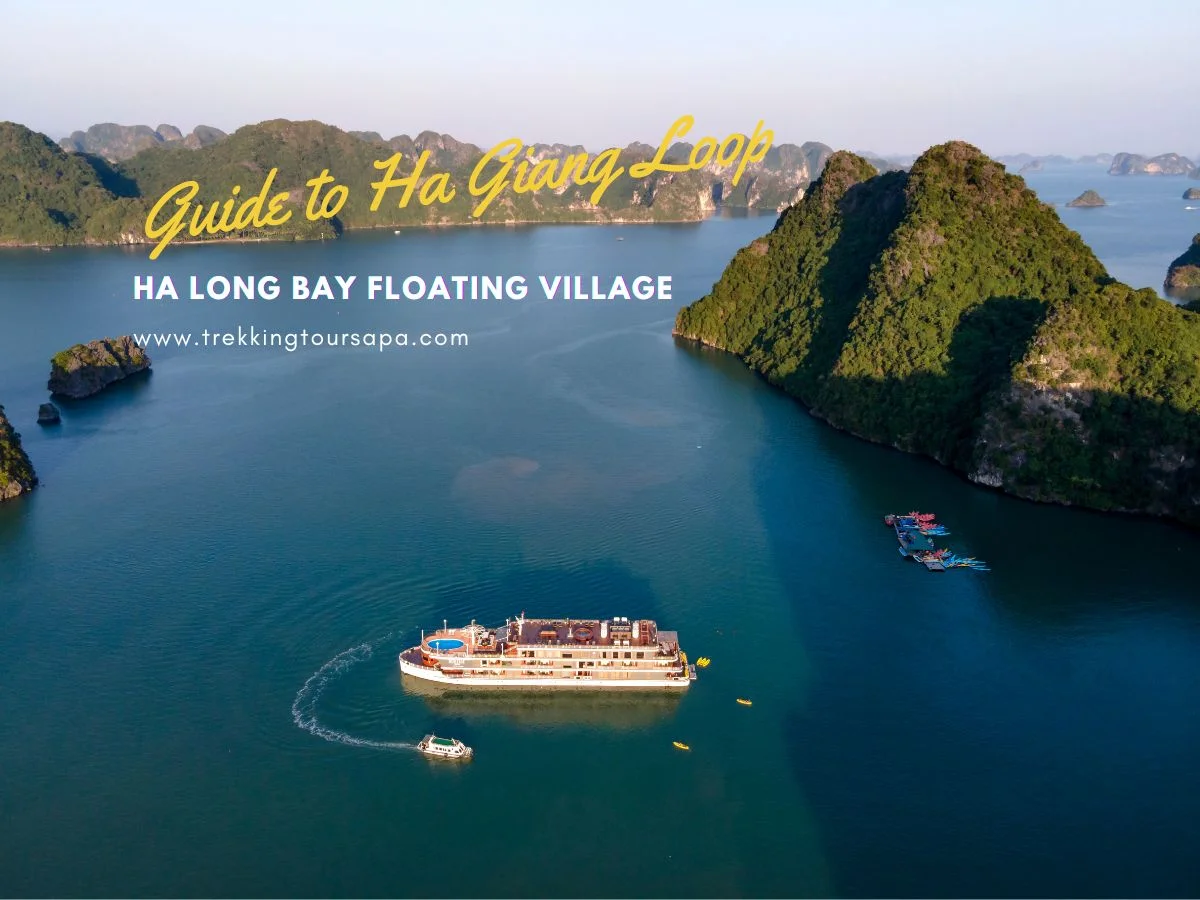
x,y
1051,76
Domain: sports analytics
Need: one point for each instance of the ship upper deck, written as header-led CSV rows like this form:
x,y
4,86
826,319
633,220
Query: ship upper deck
x,y
589,633
477,640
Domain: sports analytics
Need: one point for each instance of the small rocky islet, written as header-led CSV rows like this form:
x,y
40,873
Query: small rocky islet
x,y
1191,194
1087,200
86,369
77,372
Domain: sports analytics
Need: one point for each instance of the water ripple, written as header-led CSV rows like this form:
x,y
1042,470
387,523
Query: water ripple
x,y
305,706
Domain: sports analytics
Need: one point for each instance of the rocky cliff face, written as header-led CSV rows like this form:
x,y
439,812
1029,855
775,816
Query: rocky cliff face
x,y
948,312
16,471
773,184
86,369
1191,194
778,180
1165,164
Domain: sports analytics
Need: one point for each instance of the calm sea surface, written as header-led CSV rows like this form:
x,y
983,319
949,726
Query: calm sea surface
x,y
1145,225
200,609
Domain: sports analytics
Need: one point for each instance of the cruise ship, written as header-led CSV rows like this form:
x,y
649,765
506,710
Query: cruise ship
x,y
526,653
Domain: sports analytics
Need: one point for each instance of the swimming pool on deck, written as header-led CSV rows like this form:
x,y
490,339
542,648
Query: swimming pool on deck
x,y
441,644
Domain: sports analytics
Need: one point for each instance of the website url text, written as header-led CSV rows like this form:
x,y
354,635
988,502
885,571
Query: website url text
x,y
291,341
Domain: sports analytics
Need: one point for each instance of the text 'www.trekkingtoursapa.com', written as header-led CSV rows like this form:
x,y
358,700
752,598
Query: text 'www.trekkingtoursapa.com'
x,y
290,341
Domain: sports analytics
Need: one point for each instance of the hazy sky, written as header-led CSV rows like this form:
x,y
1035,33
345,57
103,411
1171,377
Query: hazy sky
x,y
1046,76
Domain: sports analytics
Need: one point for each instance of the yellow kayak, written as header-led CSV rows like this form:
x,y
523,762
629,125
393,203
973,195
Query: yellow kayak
x,y
681,746
703,662
744,702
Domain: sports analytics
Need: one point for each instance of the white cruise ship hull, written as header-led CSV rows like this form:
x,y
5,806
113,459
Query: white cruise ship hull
x,y
587,683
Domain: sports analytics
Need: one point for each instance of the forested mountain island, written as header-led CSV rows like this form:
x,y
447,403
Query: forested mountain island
x,y
101,189
947,311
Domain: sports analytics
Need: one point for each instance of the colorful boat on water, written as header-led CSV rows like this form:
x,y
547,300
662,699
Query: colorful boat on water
x,y
914,531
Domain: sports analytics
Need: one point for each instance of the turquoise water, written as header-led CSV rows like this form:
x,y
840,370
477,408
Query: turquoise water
x,y
445,644
201,609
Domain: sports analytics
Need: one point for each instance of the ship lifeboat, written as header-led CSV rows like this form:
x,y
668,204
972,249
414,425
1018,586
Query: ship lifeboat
x,y
444,748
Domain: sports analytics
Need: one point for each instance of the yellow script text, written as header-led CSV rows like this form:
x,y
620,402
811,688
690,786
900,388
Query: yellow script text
x,y
249,215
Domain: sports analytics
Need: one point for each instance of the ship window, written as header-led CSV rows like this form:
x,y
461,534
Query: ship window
x,y
566,656
628,655
641,655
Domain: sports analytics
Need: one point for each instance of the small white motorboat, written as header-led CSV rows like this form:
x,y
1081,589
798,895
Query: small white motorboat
x,y
444,748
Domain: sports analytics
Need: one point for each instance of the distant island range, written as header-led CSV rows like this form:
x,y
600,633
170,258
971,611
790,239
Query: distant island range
x,y
1171,164
97,186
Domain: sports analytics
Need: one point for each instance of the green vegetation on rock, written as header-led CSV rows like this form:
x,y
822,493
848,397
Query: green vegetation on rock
x,y
51,197
947,311
16,471
85,369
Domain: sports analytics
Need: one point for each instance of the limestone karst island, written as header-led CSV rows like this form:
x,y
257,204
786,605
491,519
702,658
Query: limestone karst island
x,y
16,471
86,369
947,311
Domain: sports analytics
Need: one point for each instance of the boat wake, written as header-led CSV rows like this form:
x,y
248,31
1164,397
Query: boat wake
x,y
304,707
